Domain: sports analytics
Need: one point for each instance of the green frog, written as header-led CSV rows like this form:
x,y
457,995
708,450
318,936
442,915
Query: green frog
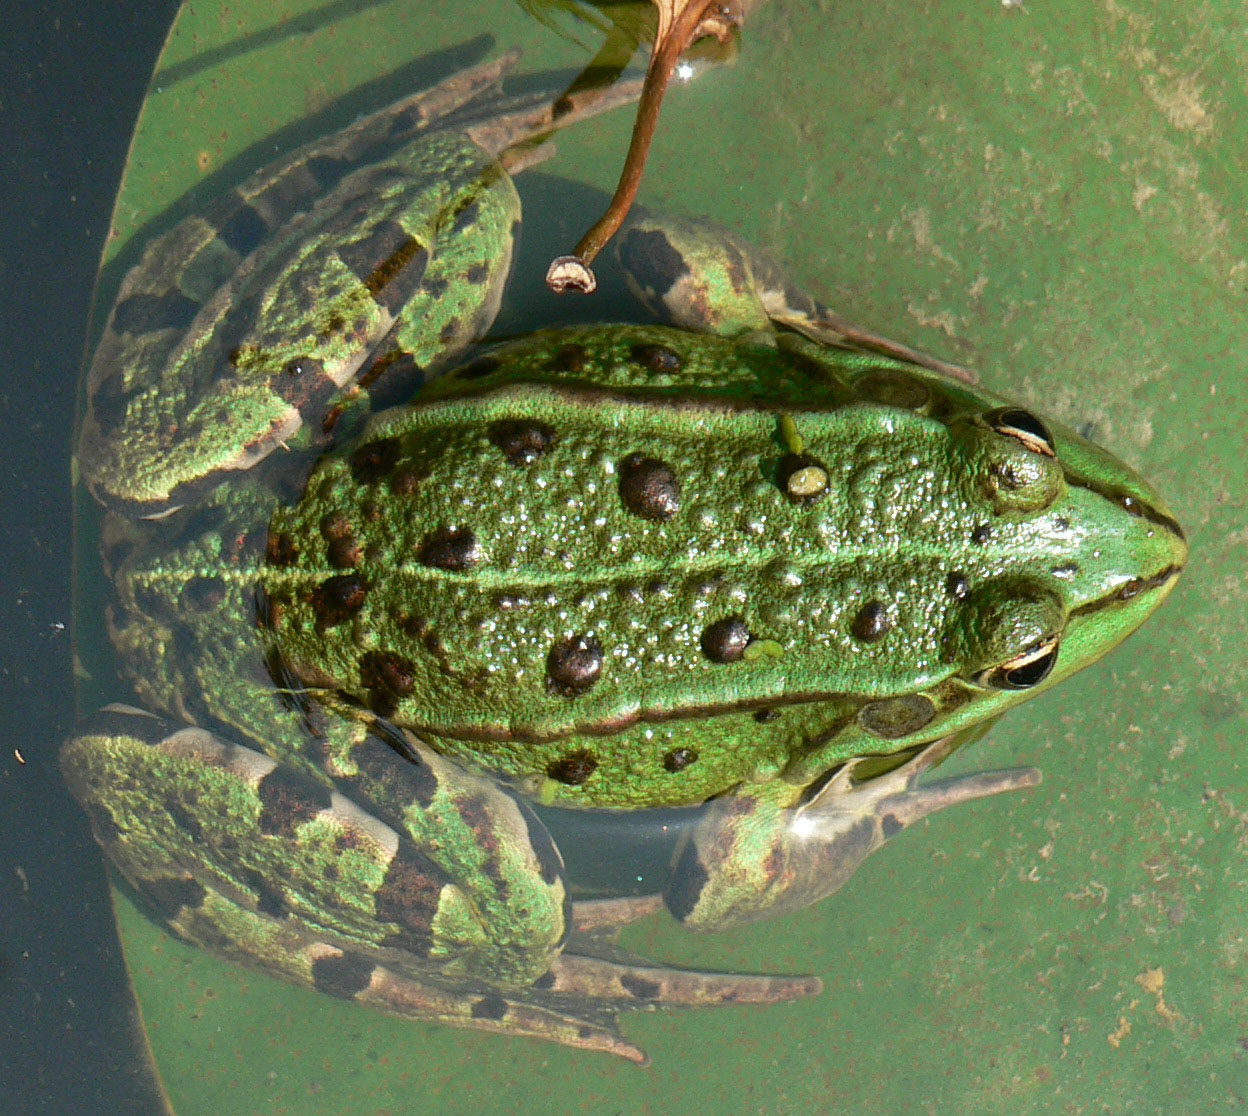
x,y
749,560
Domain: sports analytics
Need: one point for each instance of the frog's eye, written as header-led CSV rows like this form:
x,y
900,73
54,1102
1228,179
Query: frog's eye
x,y
1024,427
1012,455
1028,668
1007,633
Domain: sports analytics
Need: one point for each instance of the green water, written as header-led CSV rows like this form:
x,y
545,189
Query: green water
x,y
1053,194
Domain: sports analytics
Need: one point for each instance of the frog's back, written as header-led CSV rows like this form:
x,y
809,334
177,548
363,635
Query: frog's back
x,y
613,527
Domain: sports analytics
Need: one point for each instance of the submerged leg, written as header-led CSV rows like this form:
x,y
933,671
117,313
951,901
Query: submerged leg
x,y
698,276
752,857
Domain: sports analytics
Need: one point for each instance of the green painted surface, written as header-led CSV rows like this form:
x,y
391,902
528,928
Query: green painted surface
x,y
1054,195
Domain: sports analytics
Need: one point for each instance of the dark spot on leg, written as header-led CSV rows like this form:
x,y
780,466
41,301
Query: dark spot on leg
x,y
269,899
149,313
654,264
343,976
550,862
390,262
640,987
466,215
890,826
489,1007
398,776
288,800
685,886
167,895
244,231
409,897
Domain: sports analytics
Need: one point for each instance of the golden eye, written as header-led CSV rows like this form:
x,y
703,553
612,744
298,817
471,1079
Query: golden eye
x,y
1024,427
1028,668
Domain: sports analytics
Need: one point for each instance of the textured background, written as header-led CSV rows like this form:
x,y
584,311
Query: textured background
x,y
1054,194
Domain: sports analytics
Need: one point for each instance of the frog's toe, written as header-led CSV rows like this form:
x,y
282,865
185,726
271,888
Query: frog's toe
x,y
637,984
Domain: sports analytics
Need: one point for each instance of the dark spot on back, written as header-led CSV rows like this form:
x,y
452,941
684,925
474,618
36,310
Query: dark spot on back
x,y
337,599
573,665
648,488
957,585
387,677
725,640
569,358
574,769
475,369
657,359
450,548
373,461
200,594
522,441
871,623
678,759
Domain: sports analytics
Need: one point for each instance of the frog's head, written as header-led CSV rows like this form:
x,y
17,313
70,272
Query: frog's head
x,y
1098,550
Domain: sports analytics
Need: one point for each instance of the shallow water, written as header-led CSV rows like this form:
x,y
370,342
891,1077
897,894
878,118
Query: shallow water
x,y
1045,194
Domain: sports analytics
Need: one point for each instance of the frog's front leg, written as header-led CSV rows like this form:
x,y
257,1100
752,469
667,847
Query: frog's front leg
x,y
699,276
757,853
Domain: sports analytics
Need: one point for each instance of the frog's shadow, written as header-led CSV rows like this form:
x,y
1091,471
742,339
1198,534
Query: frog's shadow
x,y
560,203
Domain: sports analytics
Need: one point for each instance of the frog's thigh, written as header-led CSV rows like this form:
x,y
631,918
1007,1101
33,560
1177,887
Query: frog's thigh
x,y
256,862
459,295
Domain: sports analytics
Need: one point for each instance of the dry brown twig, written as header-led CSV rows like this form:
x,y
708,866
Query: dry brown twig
x,y
681,22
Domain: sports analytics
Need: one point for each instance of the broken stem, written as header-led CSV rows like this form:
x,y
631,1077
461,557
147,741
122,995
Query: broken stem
x,y
573,272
